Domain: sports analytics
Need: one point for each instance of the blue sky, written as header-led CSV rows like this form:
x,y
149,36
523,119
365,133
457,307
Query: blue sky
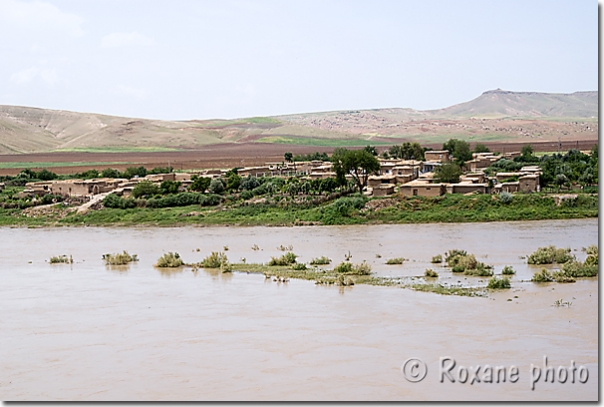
x,y
226,59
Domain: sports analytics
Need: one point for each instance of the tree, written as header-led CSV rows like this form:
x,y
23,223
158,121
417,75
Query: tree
x,y
358,163
288,157
145,189
169,187
527,151
216,186
459,149
481,148
371,150
448,172
407,151
199,184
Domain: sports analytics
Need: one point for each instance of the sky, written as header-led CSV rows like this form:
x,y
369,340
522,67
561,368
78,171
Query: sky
x,y
181,60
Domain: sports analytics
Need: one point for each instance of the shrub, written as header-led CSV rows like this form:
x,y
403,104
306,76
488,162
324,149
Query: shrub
x,y
61,259
592,255
562,277
115,201
430,273
451,254
481,270
169,260
550,255
457,269
199,184
345,267
505,197
499,283
214,260
299,266
287,259
145,189
51,198
508,270
216,186
397,260
542,276
575,268
246,194
342,280
344,206
319,261
437,259
225,266
119,259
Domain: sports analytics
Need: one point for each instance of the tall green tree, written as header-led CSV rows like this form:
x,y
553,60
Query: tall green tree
x,y
448,172
358,163
459,149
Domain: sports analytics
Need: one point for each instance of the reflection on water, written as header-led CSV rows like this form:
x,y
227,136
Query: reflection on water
x,y
90,332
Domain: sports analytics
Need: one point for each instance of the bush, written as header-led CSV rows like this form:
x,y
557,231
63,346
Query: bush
x,y
119,259
344,206
481,270
397,260
287,259
542,276
299,266
319,261
575,268
437,259
145,189
562,277
214,260
169,260
61,259
199,184
216,186
342,280
550,255
345,267
499,283
51,198
508,270
451,254
430,273
245,195
505,197
115,201
592,255
170,187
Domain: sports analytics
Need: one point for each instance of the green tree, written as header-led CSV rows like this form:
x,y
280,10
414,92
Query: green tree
x,y
459,149
527,150
145,189
216,186
199,184
448,172
371,150
358,163
288,157
481,148
111,173
170,187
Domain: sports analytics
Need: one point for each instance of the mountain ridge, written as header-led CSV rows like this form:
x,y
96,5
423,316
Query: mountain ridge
x,y
33,129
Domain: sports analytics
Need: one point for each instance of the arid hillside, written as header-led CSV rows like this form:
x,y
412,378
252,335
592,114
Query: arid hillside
x,y
495,116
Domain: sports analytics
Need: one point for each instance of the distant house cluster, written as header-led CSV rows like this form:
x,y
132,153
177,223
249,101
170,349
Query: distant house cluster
x,y
411,177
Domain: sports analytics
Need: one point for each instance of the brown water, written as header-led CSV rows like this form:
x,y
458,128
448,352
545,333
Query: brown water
x,y
89,332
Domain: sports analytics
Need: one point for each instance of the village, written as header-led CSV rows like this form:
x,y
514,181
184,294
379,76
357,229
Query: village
x,y
408,177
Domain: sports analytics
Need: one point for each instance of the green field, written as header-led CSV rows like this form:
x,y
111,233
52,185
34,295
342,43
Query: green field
x,y
30,164
317,142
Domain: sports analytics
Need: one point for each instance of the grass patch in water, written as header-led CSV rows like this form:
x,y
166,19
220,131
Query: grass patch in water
x,y
119,259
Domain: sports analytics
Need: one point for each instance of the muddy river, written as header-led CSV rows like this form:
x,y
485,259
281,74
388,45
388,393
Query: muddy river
x,y
86,331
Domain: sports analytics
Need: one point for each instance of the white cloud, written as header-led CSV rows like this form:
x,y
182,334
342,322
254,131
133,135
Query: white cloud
x,y
129,91
25,76
36,15
125,39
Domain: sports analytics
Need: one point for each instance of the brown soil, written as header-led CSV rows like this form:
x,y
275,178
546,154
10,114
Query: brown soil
x,y
224,156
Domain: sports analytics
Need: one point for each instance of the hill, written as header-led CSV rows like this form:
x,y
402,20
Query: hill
x,y
500,103
494,116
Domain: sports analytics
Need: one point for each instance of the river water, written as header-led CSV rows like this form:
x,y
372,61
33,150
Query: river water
x,y
86,331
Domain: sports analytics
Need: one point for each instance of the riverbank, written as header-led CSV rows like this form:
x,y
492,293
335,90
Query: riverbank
x,y
352,210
